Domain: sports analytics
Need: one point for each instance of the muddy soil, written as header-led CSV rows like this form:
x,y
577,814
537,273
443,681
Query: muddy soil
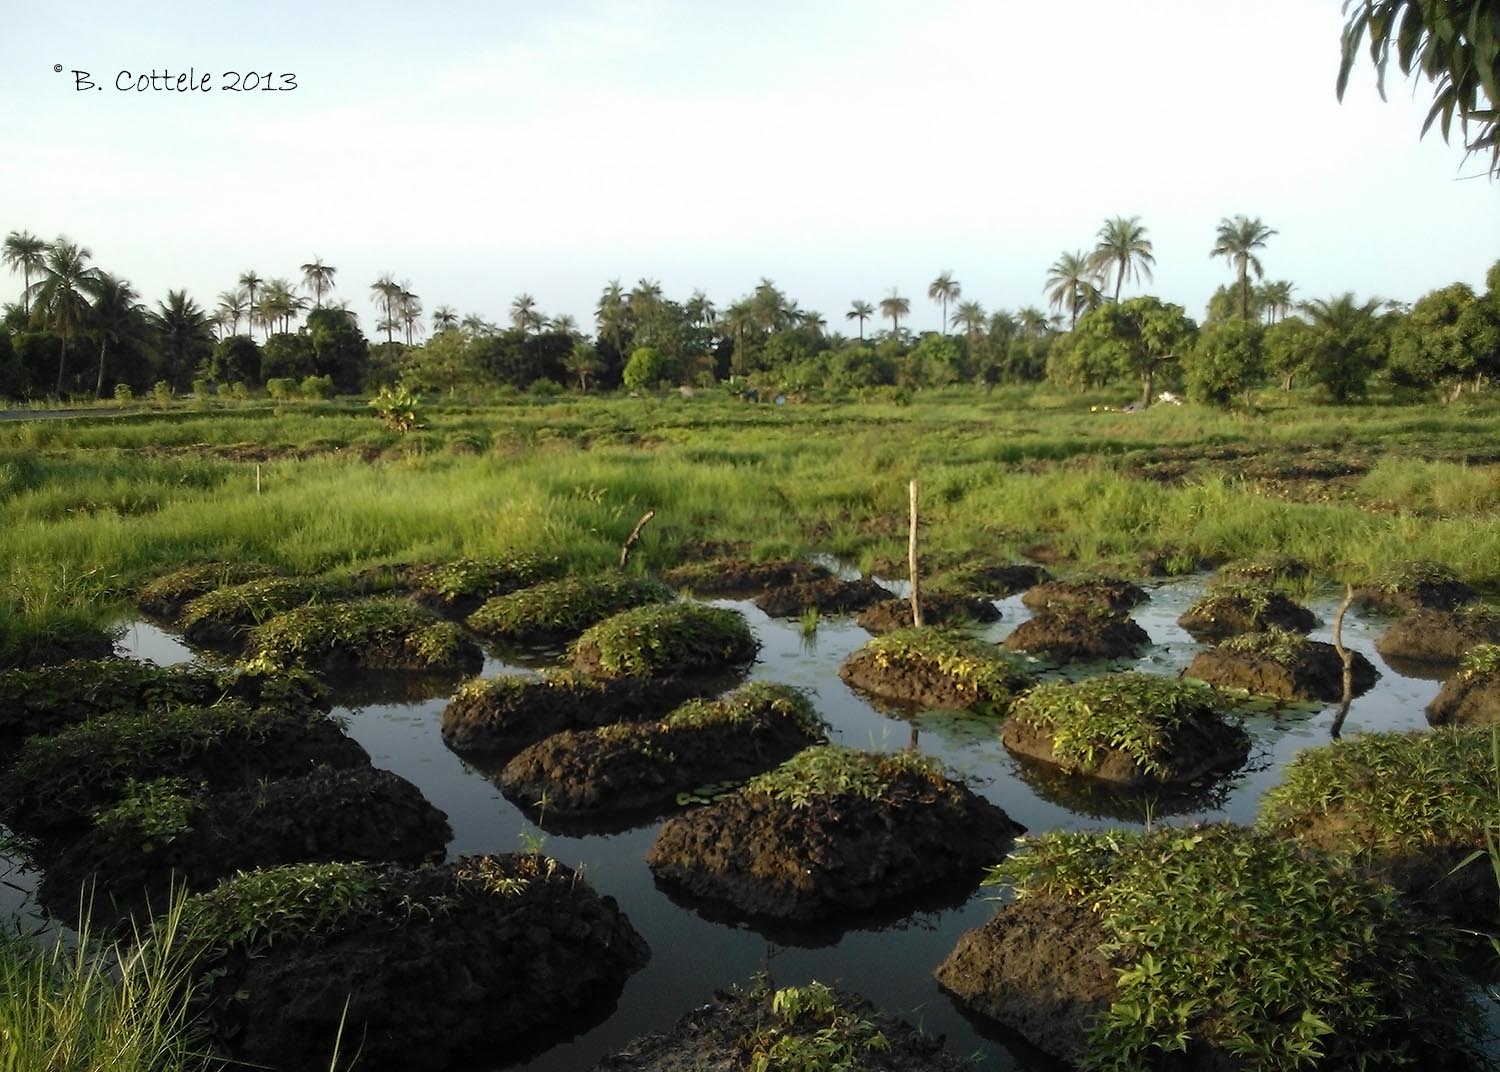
x,y
499,717
1069,632
938,608
738,577
1316,674
1466,700
841,853
1425,595
87,644
828,596
1440,636
720,1037
643,767
1192,751
1223,613
1036,969
1115,593
999,581
321,816
495,975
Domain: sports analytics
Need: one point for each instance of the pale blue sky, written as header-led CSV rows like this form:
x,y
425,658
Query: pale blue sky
x,y
839,147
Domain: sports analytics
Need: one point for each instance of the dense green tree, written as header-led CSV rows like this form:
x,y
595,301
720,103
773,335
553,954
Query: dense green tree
x,y
944,289
646,368
936,361
37,353
1137,337
442,365
238,359
583,362
1226,361
185,337
1454,43
25,253
1124,249
340,349
1347,344
318,278
894,306
861,311
59,299
1287,345
700,311
1236,242
117,320
14,383
1072,286
1445,340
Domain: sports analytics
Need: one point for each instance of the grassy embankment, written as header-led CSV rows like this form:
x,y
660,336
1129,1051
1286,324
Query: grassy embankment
x,y
91,507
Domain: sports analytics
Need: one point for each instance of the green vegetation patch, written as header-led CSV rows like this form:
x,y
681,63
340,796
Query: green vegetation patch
x,y
159,810
1238,940
1280,646
939,668
1482,660
1391,792
748,705
564,608
825,772
469,577
1412,575
811,1029
249,603
1134,713
166,595
664,639
388,632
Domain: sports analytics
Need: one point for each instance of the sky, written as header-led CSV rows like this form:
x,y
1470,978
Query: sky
x,y
837,147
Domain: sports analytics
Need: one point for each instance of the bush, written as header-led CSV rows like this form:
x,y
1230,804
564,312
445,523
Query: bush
x,y
281,388
398,408
161,393
317,387
123,393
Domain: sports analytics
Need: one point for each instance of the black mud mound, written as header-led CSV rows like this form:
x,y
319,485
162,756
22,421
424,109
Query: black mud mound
x,y
1440,637
738,1029
1281,665
1472,696
1230,609
827,596
632,767
77,642
1415,586
171,835
1132,729
224,617
831,831
555,611
938,608
1074,632
996,581
729,577
389,633
1036,969
1114,593
441,967
928,667
164,597
497,717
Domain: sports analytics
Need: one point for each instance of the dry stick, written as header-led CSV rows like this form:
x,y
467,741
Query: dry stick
x,y
1347,657
911,561
257,478
635,534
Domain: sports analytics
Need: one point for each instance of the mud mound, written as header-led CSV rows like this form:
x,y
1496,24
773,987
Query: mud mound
x,y
458,588
1072,632
827,596
666,640
633,767
939,608
441,967
500,716
831,831
1440,636
1293,669
165,596
1035,968
132,859
388,633
739,576
1228,609
559,610
996,581
1415,586
1466,700
224,617
35,652
930,668
1111,592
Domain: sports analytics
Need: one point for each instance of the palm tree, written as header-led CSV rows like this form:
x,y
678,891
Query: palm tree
x,y
476,326
1277,298
972,316
894,306
251,282
117,317
57,299
1346,343
318,278
232,309
943,289
611,314
279,304
700,311
25,253
523,312
1237,241
563,324
583,362
1032,322
444,317
185,334
739,322
861,311
644,305
1123,247
1073,284
770,307
386,292
408,309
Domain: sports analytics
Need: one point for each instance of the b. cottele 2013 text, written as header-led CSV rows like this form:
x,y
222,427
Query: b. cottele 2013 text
x,y
191,81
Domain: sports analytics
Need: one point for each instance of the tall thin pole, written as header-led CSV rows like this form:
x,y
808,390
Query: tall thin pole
x,y
911,561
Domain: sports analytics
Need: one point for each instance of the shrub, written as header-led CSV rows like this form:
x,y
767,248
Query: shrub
x,y
123,393
398,408
317,387
281,388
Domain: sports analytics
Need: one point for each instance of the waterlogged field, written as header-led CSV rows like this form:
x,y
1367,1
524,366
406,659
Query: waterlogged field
x,y
91,508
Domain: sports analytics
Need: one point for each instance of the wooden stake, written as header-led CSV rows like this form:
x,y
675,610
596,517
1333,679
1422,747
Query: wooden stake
x,y
911,561
1347,657
257,478
635,534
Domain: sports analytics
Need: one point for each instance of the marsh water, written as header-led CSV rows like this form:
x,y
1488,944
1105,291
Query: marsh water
x,y
890,962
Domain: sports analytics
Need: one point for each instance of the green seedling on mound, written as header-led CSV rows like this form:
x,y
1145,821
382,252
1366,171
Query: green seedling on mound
x,y
1131,712
827,771
252,601
665,639
1237,939
565,608
1482,660
1395,792
161,810
1231,597
747,704
474,577
388,631
167,593
810,1030
991,676
1277,644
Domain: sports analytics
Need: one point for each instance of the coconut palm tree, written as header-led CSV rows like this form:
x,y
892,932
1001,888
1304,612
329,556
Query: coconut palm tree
x,y
117,317
1124,248
232,309
700,310
251,283
971,315
523,312
1276,297
861,311
476,326
57,299
186,338
611,315
942,290
583,362
318,278
408,310
1032,322
444,318
25,253
894,306
1074,286
1237,241
386,292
